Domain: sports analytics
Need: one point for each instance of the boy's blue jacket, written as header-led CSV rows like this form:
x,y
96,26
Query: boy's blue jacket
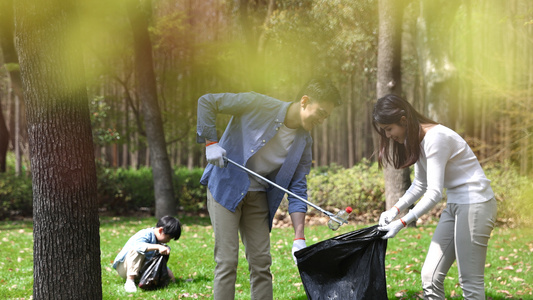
x,y
138,242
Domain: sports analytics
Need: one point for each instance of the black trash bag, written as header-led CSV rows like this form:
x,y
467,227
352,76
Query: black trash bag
x,y
348,266
154,273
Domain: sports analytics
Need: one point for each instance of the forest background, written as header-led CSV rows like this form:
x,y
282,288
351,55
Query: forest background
x,y
117,82
466,64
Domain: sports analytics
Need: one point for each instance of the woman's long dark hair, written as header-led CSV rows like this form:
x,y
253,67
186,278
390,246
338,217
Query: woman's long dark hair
x,y
389,110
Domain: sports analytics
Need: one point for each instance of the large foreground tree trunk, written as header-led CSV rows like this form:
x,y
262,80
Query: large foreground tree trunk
x,y
165,203
390,82
66,226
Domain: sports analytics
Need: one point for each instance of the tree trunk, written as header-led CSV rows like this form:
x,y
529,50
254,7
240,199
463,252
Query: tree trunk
x,y
11,61
66,226
350,123
165,203
469,114
390,82
4,142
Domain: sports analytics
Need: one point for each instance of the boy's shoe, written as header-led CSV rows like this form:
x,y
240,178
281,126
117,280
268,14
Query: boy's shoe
x,y
130,286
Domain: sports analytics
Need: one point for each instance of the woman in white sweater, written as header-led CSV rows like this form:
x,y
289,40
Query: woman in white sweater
x,y
443,160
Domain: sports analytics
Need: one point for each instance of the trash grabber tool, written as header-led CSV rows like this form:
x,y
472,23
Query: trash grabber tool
x,y
327,213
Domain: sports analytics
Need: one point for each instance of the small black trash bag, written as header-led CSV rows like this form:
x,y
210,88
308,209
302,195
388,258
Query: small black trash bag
x,y
348,266
154,273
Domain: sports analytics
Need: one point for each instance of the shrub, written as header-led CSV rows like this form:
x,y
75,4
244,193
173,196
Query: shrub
x,y
513,193
122,191
190,193
361,187
16,196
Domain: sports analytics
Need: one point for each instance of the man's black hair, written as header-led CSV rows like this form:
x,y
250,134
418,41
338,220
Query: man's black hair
x,y
171,226
321,90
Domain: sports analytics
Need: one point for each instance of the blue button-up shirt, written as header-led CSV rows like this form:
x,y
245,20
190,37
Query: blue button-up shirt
x,y
255,120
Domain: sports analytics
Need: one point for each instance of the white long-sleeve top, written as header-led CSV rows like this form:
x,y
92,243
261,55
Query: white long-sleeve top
x,y
446,162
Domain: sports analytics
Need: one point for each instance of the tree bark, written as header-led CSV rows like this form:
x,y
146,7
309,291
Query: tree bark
x,y
469,112
7,27
4,142
390,82
66,225
165,203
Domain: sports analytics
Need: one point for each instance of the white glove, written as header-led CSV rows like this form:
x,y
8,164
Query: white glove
x,y
387,216
215,155
392,229
297,245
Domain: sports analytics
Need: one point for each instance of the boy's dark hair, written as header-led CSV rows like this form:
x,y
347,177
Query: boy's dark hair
x,y
171,226
321,90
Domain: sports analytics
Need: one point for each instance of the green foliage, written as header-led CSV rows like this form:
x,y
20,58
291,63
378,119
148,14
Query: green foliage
x,y
170,31
101,135
338,35
507,272
16,196
189,191
123,190
12,67
513,193
362,187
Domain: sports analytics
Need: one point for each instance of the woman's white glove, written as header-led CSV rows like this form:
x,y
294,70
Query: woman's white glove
x,y
215,155
392,229
387,216
297,245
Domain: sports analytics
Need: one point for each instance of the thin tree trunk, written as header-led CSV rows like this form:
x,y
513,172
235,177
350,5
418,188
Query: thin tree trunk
x,y
7,27
126,146
4,142
324,145
526,152
467,82
350,123
390,81
316,151
18,158
165,203
65,222
190,154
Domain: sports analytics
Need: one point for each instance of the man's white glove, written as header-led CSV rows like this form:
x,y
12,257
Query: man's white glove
x,y
215,155
392,229
387,216
297,245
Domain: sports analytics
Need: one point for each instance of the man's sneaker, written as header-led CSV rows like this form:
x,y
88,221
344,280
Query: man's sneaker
x,y
130,287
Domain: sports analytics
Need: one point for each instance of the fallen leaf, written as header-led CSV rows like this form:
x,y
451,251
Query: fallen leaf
x,y
504,291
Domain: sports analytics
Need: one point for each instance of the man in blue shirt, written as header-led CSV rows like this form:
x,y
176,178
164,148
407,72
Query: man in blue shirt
x,y
270,137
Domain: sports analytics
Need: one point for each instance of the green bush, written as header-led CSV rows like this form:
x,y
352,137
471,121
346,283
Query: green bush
x,y
513,193
362,187
121,191
16,196
190,193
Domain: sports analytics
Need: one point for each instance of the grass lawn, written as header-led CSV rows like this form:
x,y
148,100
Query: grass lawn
x,y
508,272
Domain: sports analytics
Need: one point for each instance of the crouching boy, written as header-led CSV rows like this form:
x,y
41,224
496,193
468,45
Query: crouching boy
x,y
142,246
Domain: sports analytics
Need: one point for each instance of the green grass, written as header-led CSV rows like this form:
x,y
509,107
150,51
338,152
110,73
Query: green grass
x,y
508,272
